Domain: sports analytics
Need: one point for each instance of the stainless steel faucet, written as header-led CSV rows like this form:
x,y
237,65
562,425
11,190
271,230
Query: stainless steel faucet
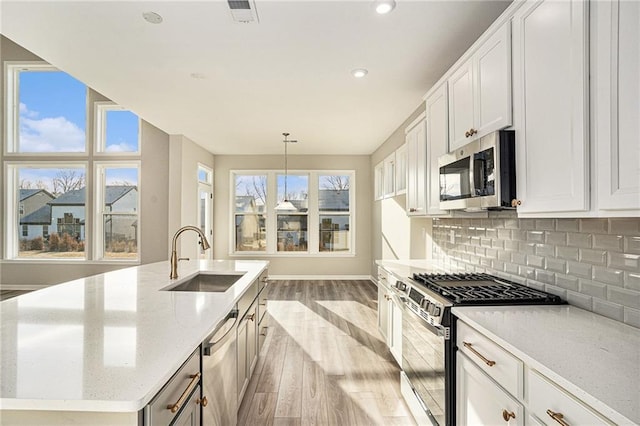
x,y
174,254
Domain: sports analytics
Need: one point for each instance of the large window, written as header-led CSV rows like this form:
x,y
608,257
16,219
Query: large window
x,y
320,219
51,175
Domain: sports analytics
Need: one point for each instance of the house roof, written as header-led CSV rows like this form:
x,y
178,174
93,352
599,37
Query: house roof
x,y
26,193
77,197
333,200
42,216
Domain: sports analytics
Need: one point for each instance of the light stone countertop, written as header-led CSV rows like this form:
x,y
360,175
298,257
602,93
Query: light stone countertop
x,y
593,357
109,342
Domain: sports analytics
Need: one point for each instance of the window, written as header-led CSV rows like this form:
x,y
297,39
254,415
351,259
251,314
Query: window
x,y
117,205
321,223
205,206
117,129
48,178
46,110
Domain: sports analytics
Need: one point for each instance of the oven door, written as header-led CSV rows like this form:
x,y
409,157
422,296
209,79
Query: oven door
x,y
423,363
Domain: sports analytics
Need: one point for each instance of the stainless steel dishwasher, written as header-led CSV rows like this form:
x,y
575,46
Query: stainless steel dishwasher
x,y
219,376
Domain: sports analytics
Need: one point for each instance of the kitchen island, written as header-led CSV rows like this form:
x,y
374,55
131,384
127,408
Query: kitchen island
x,y
107,343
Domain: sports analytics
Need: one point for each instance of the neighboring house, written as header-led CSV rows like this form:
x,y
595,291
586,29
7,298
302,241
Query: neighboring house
x,y
250,228
66,214
32,200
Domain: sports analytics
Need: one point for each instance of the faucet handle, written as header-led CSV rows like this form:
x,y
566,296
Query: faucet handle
x,y
183,258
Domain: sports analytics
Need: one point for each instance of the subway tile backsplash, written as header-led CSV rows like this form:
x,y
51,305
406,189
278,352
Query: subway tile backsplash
x,y
591,263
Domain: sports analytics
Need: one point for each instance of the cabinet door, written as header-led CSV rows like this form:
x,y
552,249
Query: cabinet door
x,y
550,105
378,179
395,330
190,414
401,170
389,175
617,104
416,170
461,105
437,144
492,72
252,339
242,359
480,401
383,311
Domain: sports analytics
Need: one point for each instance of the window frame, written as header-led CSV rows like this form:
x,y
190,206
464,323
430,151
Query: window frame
x,y
99,213
101,108
313,214
11,82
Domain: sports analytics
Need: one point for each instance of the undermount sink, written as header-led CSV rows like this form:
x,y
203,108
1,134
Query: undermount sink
x,y
208,282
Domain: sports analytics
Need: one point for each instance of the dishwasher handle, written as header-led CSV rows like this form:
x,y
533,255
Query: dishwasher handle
x,y
207,347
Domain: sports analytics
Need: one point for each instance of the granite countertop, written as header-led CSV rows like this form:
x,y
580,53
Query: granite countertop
x,y
111,341
593,357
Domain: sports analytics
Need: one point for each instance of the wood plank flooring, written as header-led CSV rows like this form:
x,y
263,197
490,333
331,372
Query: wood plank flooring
x,y
324,361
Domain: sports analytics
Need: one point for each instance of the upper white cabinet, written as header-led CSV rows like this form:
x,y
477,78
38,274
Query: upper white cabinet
x,y
401,170
550,42
378,178
416,168
437,137
389,175
480,91
616,104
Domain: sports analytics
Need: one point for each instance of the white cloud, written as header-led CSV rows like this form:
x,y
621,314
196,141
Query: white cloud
x,y
120,147
26,112
50,135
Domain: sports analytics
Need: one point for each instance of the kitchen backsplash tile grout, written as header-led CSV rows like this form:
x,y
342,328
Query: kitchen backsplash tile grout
x,y
591,263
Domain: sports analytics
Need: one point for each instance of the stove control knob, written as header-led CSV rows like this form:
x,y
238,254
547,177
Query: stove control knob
x,y
401,286
435,311
425,304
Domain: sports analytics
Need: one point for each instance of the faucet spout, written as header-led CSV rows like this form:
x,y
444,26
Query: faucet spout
x,y
174,254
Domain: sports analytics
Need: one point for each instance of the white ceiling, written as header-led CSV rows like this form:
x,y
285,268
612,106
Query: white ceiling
x,y
289,72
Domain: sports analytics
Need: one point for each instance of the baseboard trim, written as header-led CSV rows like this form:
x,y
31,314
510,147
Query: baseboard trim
x,y
319,277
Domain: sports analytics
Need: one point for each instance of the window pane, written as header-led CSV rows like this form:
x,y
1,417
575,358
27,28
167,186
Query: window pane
x,y
334,233
120,214
333,193
52,112
251,193
297,190
53,212
251,232
120,236
204,175
122,131
292,233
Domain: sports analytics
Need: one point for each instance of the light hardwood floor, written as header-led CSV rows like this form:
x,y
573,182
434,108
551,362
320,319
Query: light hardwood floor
x,y
324,361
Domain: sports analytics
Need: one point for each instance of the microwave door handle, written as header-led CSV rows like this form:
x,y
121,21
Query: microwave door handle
x,y
472,180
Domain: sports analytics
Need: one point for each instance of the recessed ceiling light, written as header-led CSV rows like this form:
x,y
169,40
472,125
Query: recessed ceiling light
x,y
152,17
198,76
359,72
384,6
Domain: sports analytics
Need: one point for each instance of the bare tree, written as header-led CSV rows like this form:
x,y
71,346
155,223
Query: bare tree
x,y
67,180
259,188
337,183
121,183
27,184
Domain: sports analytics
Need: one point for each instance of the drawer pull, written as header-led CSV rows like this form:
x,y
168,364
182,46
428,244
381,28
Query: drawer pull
x,y
251,317
478,354
192,384
506,415
558,417
204,401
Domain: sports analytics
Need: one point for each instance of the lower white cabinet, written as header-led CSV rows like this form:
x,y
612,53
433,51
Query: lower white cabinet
x,y
489,389
480,400
247,348
389,315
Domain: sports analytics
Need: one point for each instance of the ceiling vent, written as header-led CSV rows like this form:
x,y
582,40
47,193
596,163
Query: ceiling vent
x,y
243,11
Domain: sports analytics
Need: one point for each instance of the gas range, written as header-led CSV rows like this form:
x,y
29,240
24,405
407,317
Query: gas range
x,y
432,295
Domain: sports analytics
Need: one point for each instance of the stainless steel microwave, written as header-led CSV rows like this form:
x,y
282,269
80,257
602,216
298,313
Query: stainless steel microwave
x,y
480,175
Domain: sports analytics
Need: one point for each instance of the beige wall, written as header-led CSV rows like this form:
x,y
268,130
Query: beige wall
x,y
358,265
393,234
183,190
154,201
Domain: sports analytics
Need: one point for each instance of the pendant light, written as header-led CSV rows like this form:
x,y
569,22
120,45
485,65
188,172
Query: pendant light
x,y
285,205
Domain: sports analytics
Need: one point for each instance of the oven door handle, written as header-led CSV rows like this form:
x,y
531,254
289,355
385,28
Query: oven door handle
x,y
438,331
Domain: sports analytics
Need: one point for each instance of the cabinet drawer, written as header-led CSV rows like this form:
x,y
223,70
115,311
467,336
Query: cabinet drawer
x,y
499,364
184,381
247,298
546,398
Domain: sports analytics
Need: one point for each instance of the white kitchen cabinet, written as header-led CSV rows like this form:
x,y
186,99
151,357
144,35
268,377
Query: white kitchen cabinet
x,y
550,41
437,129
383,305
616,104
480,91
416,141
481,401
389,315
247,348
401,170
378,179
389,175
